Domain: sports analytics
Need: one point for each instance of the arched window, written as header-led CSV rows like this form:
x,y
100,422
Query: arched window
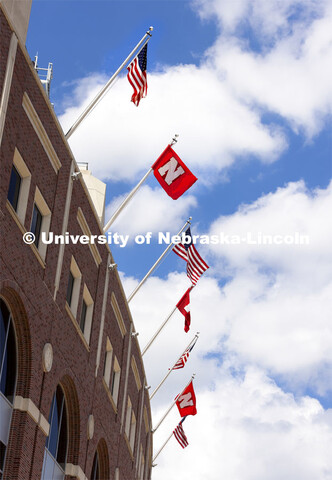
x,y
100,464
8,372
57,442
95,468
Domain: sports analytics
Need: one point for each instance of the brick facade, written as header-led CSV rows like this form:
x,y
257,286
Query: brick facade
x,y
38,308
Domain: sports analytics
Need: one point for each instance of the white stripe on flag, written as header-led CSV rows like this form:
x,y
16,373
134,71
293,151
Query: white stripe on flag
x,y
180,436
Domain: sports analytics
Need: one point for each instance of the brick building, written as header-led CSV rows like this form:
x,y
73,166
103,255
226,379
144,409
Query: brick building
x,y
73,402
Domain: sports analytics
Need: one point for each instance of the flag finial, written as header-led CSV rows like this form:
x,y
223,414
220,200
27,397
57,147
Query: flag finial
x,y
174,139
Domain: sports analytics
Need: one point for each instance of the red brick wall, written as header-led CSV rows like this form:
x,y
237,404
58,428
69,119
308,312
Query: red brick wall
x,y
28,289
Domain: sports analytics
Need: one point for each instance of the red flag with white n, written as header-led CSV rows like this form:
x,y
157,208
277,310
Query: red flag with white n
x,y
186,401
172,174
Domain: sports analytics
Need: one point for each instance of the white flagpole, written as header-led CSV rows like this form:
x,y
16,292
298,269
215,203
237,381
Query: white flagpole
x,y
126,200
148,345
170,408
162,448
158,331
108,84
171,369
188,222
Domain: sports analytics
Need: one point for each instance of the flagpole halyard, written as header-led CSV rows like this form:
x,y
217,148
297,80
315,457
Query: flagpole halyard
x,y
188,222
88,109
170,408
171,369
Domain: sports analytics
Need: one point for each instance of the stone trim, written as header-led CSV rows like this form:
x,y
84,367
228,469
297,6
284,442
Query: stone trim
x,y
7,82
41,132
27,405
86,231
118,315
75,471
135,372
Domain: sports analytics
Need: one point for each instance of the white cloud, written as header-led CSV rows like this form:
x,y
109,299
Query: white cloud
x,y
292,76
270,319
215,107
150,210
119,140
249,429
278,302
272,19
274,309
290,211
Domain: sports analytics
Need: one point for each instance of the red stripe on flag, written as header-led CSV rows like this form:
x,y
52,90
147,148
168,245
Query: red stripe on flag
x,y
180,436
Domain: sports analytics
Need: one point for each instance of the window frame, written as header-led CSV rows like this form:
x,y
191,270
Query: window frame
x,y
36,224
88,300
45,212
108,370
16,188
7,400
23,194
115,380
48,454
77,275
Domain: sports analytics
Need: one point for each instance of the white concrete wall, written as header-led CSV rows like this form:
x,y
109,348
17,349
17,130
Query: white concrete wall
x,y
18,12
97,190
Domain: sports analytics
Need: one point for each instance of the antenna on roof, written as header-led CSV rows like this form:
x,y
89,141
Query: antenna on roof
x,y
46,77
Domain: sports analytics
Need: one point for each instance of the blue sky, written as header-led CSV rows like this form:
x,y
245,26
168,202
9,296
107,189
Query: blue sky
x,y
247,85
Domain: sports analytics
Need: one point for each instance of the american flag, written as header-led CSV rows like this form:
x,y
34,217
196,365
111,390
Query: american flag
x,y
137,75
195,264
184,357
180,435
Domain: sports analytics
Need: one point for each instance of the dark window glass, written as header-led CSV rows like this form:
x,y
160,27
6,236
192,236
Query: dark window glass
x,y
36,224
56,442
113,381
95,468
7,354
2,457
14,188
70,287
105,358
83,315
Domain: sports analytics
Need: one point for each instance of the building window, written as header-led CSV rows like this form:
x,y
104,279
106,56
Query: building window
x,y
14,188
132,431
36,223
55,455
128,417
19,186
8,372
130,426
70,287
95,468
83,315
86,314
73,286
40,222
141,464
108,362
115,382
